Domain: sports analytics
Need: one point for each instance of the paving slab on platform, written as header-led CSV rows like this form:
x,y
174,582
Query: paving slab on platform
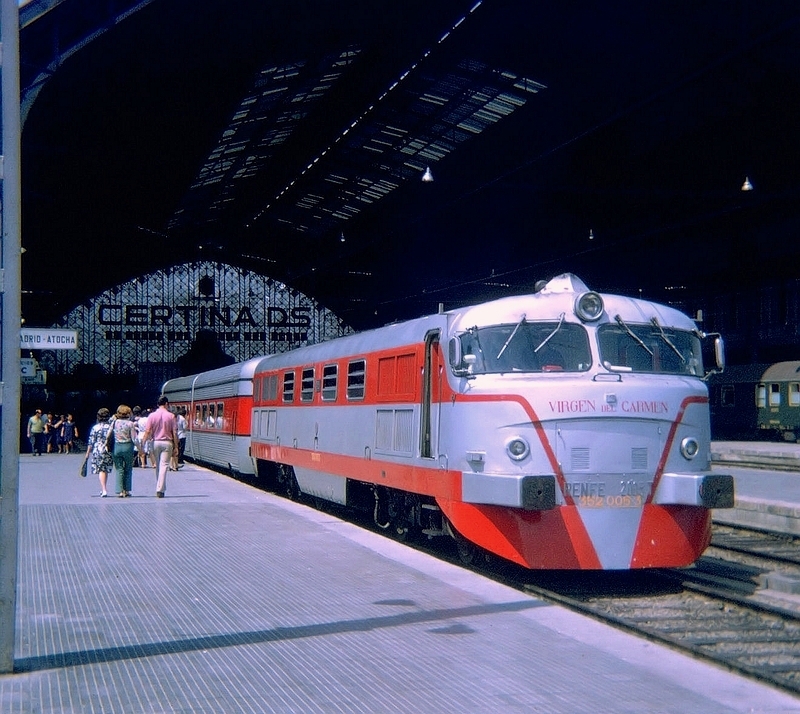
x,y
222,598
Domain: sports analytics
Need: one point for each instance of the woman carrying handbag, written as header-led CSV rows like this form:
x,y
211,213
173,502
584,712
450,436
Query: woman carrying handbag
x,y
97,451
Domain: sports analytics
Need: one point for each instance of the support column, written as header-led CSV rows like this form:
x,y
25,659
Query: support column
x,y
10,280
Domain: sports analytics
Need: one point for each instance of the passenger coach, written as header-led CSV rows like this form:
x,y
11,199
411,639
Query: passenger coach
x,y
218,408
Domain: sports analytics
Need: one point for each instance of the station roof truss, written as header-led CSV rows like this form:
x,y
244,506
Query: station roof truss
x,y
420,120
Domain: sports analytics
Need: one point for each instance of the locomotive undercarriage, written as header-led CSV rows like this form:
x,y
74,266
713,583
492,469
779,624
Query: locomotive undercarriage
x,y
402,515
280,478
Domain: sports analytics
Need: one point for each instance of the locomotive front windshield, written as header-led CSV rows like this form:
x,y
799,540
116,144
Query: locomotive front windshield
x,y
650,348
527,347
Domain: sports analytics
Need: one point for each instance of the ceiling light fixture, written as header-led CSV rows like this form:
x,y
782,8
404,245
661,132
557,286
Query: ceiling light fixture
x,y
427,177
747,186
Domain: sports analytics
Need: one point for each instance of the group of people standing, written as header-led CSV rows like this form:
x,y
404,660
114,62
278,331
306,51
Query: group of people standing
x,y
116,442
51,434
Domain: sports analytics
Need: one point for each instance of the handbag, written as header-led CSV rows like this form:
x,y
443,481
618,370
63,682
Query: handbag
x,y
84,467
110,439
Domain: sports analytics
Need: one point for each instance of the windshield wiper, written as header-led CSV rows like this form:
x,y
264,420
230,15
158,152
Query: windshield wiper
x,y
636,337
510,337
555,329
654,321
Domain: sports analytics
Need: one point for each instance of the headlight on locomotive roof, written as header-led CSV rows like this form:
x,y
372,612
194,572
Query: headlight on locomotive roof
x,y
689,448
517,448
589,307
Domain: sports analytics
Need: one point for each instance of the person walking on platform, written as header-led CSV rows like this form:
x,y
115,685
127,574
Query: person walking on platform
x,y
161,428
52,429
180,428
36,432
102,461
124,438
69,432
142,447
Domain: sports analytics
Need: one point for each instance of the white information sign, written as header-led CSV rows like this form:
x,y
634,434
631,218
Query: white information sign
x,y
28,367
36,338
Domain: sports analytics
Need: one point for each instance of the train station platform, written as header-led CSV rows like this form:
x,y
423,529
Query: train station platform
x,y
767,477
223,598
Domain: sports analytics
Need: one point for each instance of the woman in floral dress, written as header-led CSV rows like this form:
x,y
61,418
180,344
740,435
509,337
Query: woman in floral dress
x,y
102,461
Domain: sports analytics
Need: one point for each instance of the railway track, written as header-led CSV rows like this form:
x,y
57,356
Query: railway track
x,y
719,609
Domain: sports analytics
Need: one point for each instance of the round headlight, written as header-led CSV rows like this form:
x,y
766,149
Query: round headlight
x,y
589,307
689,448
517,448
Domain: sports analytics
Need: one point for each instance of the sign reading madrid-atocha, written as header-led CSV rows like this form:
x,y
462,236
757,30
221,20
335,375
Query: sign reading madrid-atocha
x,y
158,318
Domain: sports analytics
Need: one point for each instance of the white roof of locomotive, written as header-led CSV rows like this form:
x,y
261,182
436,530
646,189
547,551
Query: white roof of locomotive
x,y
558,296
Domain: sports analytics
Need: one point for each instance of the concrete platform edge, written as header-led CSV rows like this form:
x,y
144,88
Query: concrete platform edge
x,y
762,515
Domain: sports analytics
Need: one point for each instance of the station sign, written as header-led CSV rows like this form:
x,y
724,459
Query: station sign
x,y
36,338
28,367
30,372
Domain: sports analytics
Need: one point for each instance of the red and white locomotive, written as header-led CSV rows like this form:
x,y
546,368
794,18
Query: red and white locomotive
x,y
563,429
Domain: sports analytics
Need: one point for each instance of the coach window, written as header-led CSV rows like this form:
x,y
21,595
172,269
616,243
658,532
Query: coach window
x,y
356,379
219,415
774,394
794,394
761,396
330,373
727,395
204,420
211,412
288,387
272,387
307,385
198,419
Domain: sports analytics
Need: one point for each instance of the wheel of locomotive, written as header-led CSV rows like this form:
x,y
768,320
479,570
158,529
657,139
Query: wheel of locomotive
x,y
292,488
400,532
469,553
401,518
288,483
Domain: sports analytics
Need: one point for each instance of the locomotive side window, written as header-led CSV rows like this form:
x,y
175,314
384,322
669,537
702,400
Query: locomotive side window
x,y
307,385
330,374
269,391
794,394
288,386
524,347
356,379
649,348
272,424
